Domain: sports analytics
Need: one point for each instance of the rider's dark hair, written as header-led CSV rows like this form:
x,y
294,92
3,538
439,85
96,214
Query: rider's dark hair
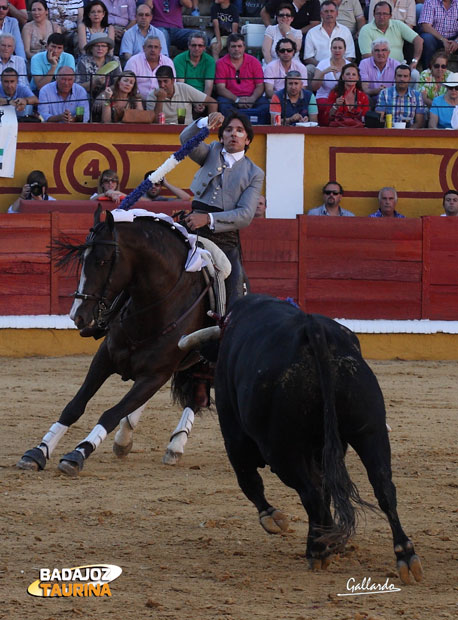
x,y
243,118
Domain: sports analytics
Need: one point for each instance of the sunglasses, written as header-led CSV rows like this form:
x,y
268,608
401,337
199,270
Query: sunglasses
x,y
237,77
166,6
3,8
328,192
284,15
451,87
283,50
110,181
196,45
438,66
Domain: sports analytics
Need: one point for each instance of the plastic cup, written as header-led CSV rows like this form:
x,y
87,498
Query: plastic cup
x,y
181,114
79,114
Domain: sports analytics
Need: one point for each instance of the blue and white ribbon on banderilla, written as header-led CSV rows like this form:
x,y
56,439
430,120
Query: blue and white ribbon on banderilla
x,y
164,169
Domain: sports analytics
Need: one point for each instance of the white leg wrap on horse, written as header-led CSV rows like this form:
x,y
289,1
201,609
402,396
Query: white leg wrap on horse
x,y
185,423
134,417
52,438
180,434
96,436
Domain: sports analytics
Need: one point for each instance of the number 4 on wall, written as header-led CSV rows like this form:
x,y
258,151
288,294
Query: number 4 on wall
x,y
92,169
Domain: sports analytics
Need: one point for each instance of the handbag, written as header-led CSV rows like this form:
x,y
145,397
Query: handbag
x,y
138,116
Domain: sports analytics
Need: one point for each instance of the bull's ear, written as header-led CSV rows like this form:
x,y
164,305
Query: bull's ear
x,y
97,213
109,220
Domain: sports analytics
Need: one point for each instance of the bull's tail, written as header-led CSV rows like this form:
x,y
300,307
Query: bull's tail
x,y
336,481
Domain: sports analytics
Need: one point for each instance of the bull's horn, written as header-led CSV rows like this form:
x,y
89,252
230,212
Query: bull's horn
x,y
192,341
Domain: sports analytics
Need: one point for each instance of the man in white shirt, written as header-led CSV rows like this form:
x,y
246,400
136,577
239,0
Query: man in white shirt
x,y
319,39
8,59
171,97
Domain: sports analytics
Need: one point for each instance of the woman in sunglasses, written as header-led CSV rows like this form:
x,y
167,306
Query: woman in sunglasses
x,y
442,108
347,102
281,30
108,188
431,83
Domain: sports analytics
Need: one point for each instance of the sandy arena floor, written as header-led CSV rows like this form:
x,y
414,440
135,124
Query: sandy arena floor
x,y
187,540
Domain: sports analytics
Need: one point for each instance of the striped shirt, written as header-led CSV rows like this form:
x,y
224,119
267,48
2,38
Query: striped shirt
x,y
402,107
64,13
445,21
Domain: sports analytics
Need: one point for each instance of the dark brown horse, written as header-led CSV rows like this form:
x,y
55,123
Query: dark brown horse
x,y
136,272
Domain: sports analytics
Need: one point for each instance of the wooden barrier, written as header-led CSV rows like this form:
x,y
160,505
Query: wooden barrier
x,y
360,268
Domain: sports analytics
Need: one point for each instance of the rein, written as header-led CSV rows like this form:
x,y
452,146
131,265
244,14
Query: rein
x,y
173,324
103,305
103,311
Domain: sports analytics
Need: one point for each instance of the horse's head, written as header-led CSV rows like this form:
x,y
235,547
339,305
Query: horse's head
x,y
98,286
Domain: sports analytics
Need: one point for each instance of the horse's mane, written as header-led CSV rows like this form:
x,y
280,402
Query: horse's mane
x,y
70,254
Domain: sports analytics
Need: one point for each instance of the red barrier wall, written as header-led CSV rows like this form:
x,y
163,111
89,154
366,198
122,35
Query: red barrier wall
x,y
343,267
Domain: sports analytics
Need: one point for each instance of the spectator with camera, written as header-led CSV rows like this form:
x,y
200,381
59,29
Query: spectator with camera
x,y
35,188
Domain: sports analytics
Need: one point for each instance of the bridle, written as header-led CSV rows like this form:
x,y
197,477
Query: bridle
x,y
104,305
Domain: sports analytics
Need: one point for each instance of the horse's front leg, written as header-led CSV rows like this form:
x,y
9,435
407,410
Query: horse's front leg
x,y
141,391
99,371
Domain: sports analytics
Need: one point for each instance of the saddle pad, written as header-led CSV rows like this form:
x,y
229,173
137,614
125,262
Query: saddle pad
x,y
197,257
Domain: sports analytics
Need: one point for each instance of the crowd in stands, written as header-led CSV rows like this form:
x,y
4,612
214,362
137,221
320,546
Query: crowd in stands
x,y
344,63
333,193
36,188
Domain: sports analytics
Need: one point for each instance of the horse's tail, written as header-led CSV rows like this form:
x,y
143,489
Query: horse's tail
x,y
337,485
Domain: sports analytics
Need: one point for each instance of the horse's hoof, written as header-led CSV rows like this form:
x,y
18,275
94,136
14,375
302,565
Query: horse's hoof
x,y
33,460
274,521
413,567
319,563
122,451
416,568
171,458
72,463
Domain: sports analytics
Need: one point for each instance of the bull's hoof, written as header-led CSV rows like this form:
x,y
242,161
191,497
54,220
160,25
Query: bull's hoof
x,y
33,460
122,451
319,563
274,521
171,458
414,567
72,463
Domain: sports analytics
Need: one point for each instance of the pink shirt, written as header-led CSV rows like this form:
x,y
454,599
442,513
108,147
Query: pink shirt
x,y
146,82
249,75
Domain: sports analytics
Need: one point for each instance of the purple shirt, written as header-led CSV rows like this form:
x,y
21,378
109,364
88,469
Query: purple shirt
x,y
373,76
146,81
52,104
120,12
443,20
172,19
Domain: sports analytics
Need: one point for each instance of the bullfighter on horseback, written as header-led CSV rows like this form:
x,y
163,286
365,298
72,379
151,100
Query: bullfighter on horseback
x,y
226,189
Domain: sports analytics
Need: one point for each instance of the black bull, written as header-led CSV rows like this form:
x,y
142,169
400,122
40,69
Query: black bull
x,y
293,391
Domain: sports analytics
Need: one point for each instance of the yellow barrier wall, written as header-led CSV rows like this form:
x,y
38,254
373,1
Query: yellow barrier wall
x,y
422,164
61,342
